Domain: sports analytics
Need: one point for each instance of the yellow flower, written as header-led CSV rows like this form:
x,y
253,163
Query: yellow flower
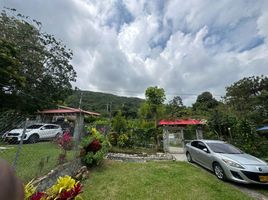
x,y
94,131
29,190
63,183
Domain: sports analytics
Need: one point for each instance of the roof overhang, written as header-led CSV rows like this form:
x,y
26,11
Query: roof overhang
x,y
180,122
63,110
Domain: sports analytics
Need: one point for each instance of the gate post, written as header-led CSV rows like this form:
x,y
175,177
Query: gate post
x,y
182,137
165,139
199,133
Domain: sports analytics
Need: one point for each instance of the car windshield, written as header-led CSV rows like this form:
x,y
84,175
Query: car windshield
x,y
224,148
35,126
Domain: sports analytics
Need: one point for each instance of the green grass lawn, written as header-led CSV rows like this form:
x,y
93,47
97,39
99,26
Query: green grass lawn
x,y
35,159
156,180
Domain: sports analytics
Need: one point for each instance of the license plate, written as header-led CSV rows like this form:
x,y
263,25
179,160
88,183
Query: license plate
x,y
263,178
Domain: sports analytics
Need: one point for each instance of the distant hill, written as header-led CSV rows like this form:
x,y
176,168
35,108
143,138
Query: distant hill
x,y
99,102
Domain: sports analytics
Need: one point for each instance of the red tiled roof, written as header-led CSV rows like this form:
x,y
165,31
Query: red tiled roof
x,y
180,122
67,110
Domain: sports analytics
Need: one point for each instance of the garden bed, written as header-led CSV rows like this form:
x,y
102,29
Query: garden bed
x,y
141,157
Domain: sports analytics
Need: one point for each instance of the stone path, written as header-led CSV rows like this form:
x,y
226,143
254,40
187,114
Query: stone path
x,y
177,153
179,156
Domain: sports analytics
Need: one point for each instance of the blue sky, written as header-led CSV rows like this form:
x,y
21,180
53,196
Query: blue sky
x,y
186,47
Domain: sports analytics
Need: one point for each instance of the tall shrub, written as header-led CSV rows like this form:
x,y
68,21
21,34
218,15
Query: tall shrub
x,y
94,147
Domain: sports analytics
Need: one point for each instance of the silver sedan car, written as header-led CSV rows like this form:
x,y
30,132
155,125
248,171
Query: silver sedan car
x,y
227,161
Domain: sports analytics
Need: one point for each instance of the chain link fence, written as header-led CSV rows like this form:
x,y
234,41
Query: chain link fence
x,y
33,147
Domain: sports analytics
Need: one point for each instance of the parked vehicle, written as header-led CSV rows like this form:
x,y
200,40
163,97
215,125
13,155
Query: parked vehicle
x,y
34,133
227,161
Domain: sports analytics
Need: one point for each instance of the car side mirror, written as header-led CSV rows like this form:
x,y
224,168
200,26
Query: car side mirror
x,y
206,150
42,128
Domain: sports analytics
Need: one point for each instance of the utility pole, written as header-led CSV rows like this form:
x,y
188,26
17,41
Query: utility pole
x,y
80,100
110,111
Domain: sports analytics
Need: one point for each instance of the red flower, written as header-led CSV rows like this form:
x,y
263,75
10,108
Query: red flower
x,y
65,195
65,141
94,146
38,196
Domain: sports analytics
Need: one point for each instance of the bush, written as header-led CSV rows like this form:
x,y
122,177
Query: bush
x,y
123,140
113,137
66,143
65,188
94,147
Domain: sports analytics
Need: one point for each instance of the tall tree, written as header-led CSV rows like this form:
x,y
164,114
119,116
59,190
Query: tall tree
x,y
155,98
153,108
249,97
205,102
175,107
36,65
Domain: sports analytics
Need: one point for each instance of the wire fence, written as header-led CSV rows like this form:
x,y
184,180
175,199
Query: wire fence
x,y
33,146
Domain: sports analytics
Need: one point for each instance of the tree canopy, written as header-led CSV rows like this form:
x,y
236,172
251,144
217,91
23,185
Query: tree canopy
x,y
35,67
249,97
205,101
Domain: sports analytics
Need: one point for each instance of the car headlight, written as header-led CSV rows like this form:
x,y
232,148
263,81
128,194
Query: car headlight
x,y
232,163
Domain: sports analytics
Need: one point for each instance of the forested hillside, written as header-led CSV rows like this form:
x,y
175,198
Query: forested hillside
x,y
104,103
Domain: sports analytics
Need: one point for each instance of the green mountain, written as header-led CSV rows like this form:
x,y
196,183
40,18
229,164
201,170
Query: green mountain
x,y
105,103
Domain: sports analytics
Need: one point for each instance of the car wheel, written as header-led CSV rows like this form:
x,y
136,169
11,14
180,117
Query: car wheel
x,y
218,171
33,139
189,157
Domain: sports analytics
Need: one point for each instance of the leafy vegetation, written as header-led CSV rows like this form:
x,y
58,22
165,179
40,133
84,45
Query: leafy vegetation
x,y
35,69
65,188
94,147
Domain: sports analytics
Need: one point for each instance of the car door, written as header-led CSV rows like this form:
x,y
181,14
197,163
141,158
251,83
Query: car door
x,y
53,130
204,156
44,132
194,150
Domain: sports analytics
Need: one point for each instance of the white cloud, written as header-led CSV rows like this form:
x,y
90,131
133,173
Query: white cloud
x,y
187,47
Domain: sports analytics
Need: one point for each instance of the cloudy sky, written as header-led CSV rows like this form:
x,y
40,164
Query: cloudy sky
x,y
185,46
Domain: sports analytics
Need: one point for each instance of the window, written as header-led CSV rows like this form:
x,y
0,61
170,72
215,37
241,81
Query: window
x,y
201,145
35,126
224,148
195,144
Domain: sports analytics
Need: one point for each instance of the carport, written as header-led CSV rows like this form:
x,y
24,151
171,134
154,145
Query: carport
x,y
74,115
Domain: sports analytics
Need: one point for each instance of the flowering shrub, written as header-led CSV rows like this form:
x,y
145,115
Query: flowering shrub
x,y
65,142
94,147
66,188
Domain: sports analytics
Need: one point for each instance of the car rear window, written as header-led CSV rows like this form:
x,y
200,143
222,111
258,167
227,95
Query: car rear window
x,y
224,148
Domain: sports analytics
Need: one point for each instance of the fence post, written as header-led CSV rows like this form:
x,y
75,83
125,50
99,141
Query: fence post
x,y
20,144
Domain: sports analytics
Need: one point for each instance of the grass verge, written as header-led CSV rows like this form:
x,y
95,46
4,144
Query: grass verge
x,y
34,159
156,180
